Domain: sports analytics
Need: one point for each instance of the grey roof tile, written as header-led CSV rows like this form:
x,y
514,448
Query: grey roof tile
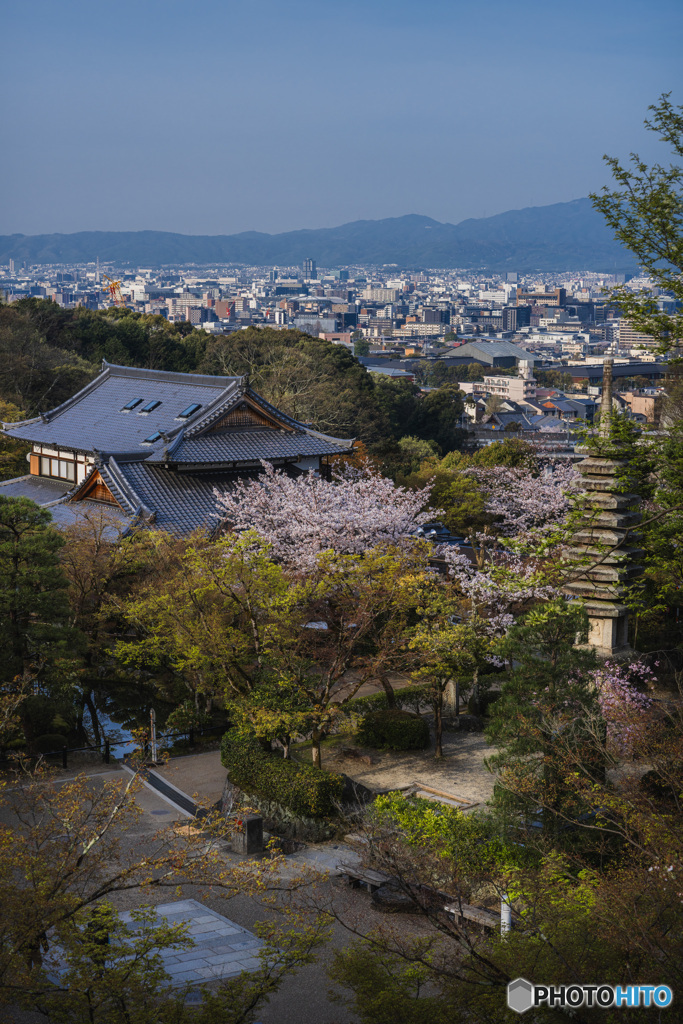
x,y
40,489
93,419
115,522
180,501
250,446
494,350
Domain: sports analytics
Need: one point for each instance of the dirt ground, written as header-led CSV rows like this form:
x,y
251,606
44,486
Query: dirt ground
x,y
461,772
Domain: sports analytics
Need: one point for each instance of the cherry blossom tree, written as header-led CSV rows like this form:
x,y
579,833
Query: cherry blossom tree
x,y
507,580
622,703
513,563
305,515
522,502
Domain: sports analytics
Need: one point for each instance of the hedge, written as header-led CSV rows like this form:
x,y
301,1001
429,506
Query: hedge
x,y
411,697
393,729
305,790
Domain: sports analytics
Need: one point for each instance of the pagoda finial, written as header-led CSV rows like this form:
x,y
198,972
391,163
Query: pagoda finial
x,y
606,403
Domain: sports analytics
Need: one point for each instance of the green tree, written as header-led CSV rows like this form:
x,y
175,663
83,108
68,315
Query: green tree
x,y
645,212
211,616
12,452
353,616
34,375
547,695
34,610
361,347
554,379
437,417
416,451
41,647
445,648
65,861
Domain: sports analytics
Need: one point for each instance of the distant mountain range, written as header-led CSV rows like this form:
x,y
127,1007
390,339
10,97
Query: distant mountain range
x,y
564,236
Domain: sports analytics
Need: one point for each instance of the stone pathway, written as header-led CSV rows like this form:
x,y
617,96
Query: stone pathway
x,y
221,948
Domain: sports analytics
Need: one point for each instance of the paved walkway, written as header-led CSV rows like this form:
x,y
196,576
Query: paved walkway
x,y
461,772
200,776
221,949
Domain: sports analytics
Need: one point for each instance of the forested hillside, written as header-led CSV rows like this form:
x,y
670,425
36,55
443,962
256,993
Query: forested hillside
x,y
48,353
563,236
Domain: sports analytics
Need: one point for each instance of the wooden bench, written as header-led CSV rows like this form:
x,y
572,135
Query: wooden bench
x,y
466,912
366,878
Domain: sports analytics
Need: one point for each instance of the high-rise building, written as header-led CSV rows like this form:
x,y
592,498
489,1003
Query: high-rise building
x,y
629,337
11,267
557,297
310,270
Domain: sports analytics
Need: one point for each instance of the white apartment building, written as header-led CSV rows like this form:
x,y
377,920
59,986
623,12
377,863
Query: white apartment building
x,y
514,388
517,389
380,294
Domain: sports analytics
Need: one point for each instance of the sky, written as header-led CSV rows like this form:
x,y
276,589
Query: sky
x,y
220,116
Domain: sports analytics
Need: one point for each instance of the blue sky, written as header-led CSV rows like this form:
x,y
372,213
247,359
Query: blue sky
x,y
271,115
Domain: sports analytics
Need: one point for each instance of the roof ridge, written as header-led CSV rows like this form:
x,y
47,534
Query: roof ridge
x,y
175,376
125,488
47,417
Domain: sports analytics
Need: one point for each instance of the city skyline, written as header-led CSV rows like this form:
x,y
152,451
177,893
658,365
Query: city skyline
x,y
272,117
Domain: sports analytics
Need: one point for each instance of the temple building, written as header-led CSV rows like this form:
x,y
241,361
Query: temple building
x,y
151,446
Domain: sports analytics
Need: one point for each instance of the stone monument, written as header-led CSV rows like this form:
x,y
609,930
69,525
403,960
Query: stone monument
x,y
605,542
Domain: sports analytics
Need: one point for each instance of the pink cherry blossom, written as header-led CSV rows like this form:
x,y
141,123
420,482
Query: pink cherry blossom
x,y
622,703
523,502
304,515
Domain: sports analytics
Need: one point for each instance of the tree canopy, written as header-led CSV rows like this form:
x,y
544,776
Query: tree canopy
x,y
645,211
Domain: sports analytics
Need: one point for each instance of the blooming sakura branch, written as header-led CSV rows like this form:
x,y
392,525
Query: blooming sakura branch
x,y
304,515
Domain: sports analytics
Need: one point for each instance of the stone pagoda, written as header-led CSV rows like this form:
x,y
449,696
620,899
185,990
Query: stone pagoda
x,y
605,544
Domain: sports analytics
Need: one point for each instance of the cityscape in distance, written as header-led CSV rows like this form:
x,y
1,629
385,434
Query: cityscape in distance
x,y
341,512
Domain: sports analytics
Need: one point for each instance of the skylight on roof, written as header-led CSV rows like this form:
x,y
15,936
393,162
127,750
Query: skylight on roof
x,y
189,411
150,406
132,404
153,438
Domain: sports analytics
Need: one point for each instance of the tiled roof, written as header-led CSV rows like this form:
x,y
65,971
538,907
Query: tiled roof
x,y
180,501
93,419
116,523
40,489
251,446
494,350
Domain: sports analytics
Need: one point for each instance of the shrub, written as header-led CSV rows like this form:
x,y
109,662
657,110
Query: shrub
x,y
407,697
393,729
304,789
50,743
471,839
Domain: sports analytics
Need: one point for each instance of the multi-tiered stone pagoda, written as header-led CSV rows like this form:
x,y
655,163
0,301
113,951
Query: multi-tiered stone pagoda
x,y
606,544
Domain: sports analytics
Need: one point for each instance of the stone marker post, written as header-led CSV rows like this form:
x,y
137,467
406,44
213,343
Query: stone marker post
x,y
249,839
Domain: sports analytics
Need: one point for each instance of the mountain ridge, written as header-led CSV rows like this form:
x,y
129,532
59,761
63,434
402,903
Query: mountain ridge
x,y
561,236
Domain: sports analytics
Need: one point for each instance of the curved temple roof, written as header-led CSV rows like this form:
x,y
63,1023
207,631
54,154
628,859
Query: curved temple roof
x,y
96,420
157,465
